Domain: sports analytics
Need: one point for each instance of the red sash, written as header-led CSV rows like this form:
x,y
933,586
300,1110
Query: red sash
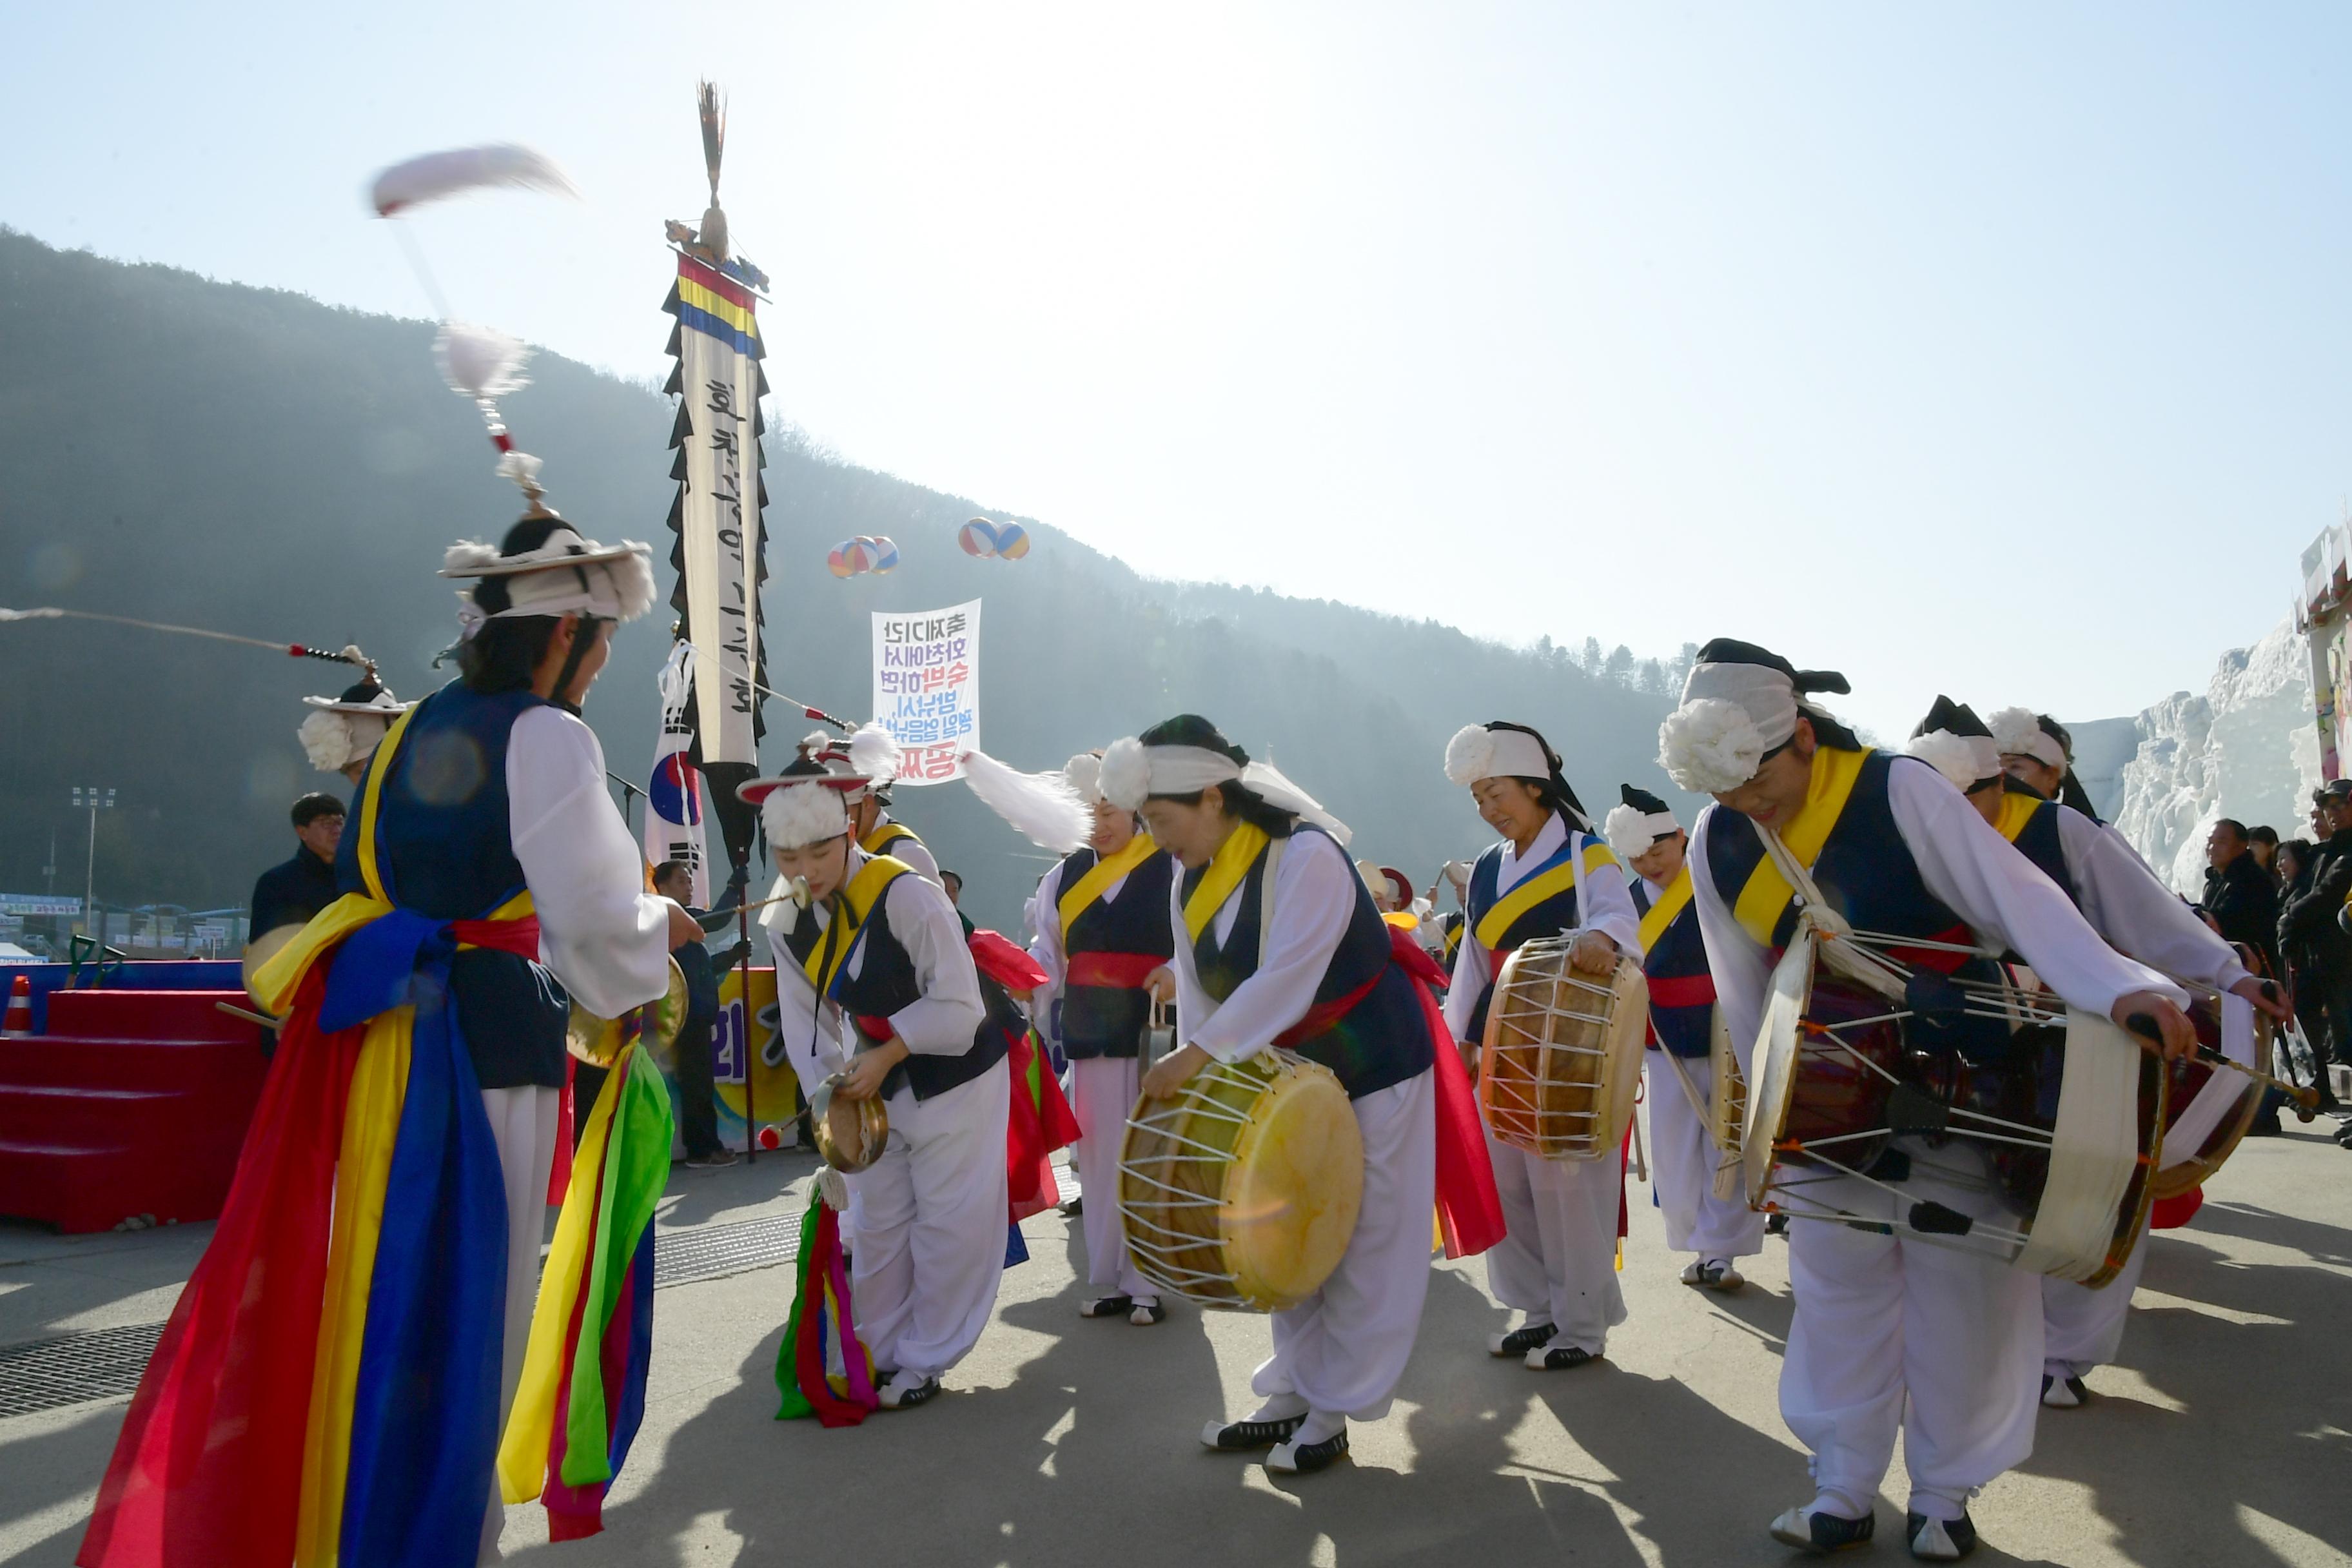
x,y
1681,990
1112,971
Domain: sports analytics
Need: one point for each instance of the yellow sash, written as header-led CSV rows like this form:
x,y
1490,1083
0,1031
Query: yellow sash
x,y
1670,904
2016,811
822,964
1087,891
1231,862
1496,923
886,833
1768,893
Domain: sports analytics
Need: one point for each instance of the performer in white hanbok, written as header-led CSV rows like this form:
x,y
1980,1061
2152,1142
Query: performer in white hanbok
x,y
877,995
1103,939
1891,1332
1717,1231
1276,943
2140,918
1547,875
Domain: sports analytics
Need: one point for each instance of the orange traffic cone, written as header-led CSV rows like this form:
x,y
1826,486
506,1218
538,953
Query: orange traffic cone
x,y
20,1008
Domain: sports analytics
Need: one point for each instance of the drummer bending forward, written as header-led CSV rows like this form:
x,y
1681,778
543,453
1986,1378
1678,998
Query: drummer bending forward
x,y
1306,966
2139,917
881,946
1547,878
1880,1320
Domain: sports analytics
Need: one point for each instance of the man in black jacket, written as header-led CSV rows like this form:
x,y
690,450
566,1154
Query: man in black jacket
x,y
2307,927
2238,894
697,1121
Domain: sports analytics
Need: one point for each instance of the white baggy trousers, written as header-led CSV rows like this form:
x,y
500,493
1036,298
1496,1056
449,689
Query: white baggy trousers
x,y
1557,1261
1681,1166
929,1217
1899,1332
2082,1328
1103,1091
523,1123
1343,1349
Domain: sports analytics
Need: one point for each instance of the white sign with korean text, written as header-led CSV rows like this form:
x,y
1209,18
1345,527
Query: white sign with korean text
x,y
927,688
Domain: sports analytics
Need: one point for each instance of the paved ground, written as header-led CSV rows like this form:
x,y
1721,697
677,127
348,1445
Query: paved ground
x,y
2225,1438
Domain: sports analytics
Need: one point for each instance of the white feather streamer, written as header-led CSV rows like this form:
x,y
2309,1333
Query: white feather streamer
x,y
479,362
436,176
1042,808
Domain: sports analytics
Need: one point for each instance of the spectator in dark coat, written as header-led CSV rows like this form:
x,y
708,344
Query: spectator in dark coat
x,y
2308,931
2238,893
697,1120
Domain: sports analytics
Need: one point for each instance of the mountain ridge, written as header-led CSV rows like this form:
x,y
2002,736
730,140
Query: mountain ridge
x,y
256,461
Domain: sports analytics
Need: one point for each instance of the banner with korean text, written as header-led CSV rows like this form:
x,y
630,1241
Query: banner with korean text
x,y
927,688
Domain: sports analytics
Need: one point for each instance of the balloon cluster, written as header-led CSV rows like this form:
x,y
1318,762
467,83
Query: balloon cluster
x,y
1005,540
863,554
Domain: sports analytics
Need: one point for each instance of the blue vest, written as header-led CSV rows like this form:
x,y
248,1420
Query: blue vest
x,y
886,983
1109,1020
1549,918
1682,988
445,848
1383,1040
2039,842
1867,873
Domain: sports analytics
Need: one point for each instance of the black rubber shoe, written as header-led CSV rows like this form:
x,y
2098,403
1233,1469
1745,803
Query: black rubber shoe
x,y
1939,1540
1520,1341
894,1397
1292,1459
1147,1313
1238,1436
1107,1307
1809,1530
1560,1358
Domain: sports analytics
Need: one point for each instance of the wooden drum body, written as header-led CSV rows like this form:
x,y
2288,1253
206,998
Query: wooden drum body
x,y
2065,1127
1243,1191
1562,1056
1727,1118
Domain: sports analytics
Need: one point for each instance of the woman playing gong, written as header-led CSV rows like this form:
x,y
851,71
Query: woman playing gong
x,y
1547,876
1276,943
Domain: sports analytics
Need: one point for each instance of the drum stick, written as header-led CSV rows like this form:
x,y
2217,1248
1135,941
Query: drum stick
x,y
234,1011
2143,1025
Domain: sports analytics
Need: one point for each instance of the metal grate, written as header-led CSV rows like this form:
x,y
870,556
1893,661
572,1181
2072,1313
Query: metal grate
x,y
715,1251
41,1375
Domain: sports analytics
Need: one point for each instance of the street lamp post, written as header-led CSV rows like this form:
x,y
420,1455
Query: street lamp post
x,y
92,799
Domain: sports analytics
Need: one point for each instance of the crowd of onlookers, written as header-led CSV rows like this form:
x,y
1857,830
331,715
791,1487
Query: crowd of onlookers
x,y
2284,899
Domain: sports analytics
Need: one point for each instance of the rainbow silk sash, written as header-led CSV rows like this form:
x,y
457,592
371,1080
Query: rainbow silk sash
x,y
326,1393
821,1320
582,1394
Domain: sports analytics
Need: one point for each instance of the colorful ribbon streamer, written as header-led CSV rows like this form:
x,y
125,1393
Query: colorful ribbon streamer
x,y
822,1318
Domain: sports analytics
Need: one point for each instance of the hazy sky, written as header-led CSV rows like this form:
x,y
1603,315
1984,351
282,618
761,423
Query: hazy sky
x,y
1992,348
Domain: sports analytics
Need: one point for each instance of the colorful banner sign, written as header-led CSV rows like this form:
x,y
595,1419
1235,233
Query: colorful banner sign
x,y
927,688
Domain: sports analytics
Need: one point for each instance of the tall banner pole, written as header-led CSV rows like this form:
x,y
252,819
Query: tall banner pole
x,y
720,552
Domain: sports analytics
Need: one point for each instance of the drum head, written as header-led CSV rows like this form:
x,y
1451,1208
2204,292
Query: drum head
x,y
260,950
1777,1047
1629,1025
1294,1189
2212,1108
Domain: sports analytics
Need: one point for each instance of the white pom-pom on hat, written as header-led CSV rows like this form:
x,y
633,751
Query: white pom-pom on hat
x,y
1470,755
1085,774
799,815
327,742
1627,831
1948,754
1710,746
874,755
1125,777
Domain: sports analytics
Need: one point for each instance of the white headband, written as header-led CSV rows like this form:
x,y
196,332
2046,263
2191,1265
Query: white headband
x,y
2017,732
1730,716
1132,772
1477,752
1629,831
